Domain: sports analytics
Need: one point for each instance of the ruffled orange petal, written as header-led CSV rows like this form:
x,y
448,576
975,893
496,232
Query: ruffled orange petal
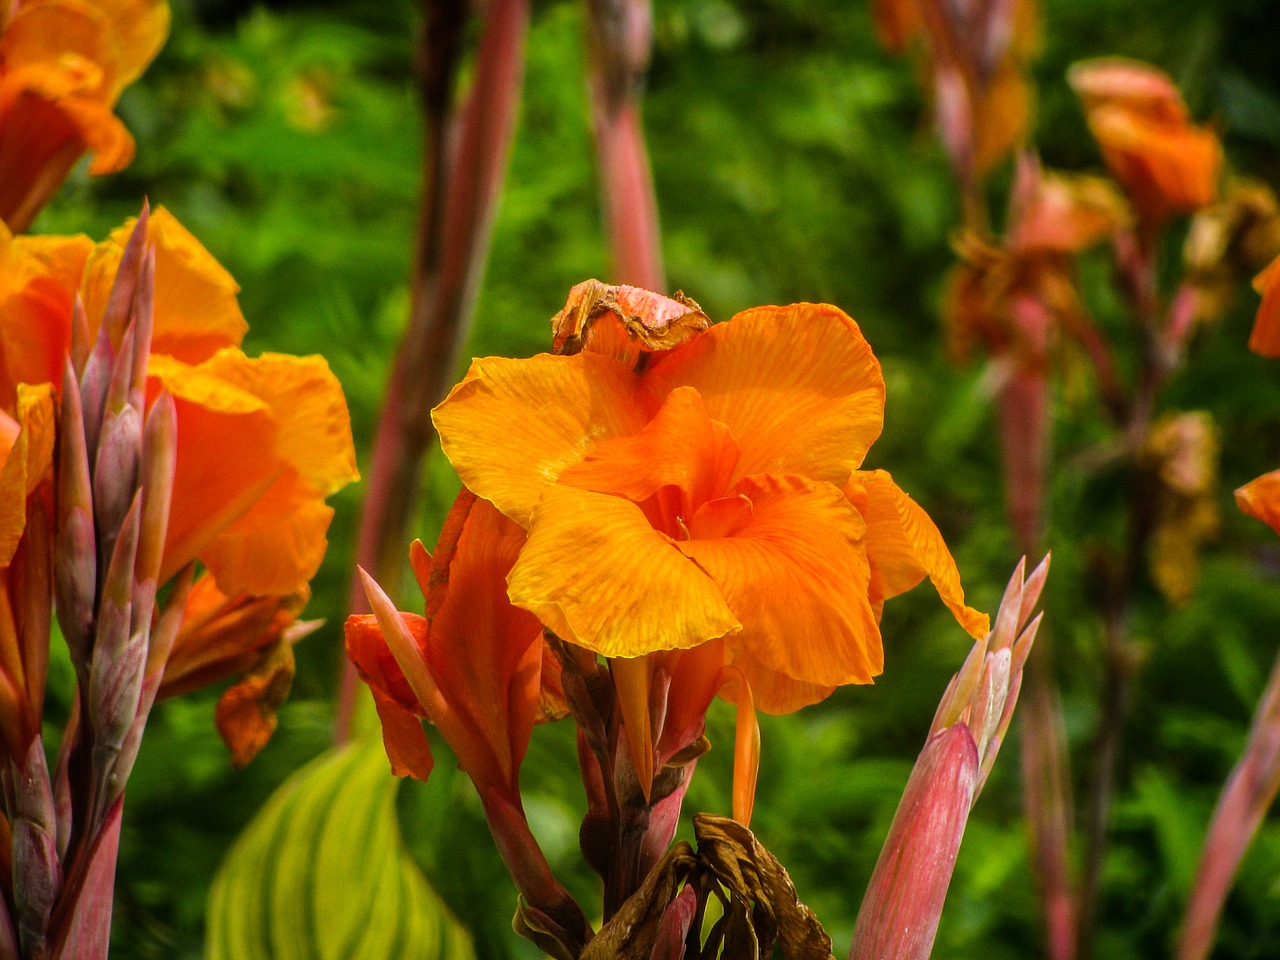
x,y
798,388
681,447
1260,499
261,442
598,575
398,709
904,546
139,28
788,555
26,451
277,545
226,440
775,693
511,426
1265,339
196,311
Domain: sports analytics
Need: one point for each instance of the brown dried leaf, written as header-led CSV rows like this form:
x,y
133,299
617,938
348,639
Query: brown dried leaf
x,y
631,932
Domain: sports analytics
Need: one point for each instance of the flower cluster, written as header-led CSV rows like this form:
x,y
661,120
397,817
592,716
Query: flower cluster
x,y
685,501
138,444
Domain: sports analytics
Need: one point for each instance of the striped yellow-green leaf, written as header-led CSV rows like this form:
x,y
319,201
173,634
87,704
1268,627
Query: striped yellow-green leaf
x,y
320,874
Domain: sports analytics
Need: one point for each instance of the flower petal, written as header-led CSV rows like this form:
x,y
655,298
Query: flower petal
x,y
511,426
598,575
1265,339
196,311
26,452
38,278
904,545
1260,499
788,555
246,711
798,387
680,447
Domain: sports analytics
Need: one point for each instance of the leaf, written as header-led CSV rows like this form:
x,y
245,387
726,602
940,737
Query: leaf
x,y
321,873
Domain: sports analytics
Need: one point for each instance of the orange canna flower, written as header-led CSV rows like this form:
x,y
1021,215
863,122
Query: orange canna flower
x,y
262,441
1165,164
63,65
705,498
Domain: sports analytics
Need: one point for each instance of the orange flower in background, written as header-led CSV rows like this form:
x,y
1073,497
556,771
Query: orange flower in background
x,y
63,65
1265,339
1165,163
700,499
974,66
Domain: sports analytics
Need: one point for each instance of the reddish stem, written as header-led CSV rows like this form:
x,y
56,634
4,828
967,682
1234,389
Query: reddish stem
x,y
621,32
464,164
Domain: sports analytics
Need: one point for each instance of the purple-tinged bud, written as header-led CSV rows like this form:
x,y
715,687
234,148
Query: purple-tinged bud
x,y
35,596
900,913
142,322
81,342
159,461
115,470
115,317
95,381
37,873
75,549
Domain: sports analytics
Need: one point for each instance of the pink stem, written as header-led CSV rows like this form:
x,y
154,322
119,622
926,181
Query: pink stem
x,y
621,32
464,164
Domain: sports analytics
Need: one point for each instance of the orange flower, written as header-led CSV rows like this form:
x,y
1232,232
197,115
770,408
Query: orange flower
x,y
709,497
1166,164
262,441
63,65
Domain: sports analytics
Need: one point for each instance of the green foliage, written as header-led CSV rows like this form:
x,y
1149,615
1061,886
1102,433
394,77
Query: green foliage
x,y
295,886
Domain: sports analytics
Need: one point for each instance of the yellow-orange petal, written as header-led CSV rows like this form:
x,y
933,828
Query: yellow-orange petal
x,y
139,28
307,400
904,545
680,447
798,388
1265,338
787,554
26,451
226,439
511,426
597,574
775,693
196,311
38,279
1260,499
277,544
261,442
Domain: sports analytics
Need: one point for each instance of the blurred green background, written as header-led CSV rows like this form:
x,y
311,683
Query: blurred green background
x,y
793,161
